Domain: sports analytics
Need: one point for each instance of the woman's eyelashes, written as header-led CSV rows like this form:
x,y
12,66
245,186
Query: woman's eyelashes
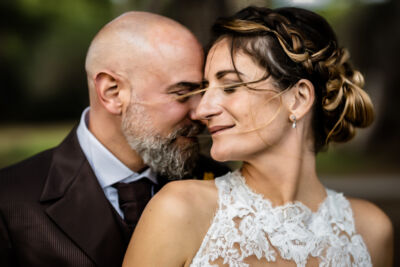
x,y
227,87
231,87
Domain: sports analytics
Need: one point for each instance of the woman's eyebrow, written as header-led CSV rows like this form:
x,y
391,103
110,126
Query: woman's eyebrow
x,y
220,74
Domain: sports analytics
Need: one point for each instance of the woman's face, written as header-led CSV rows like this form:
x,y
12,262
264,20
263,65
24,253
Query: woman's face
x,y
242,122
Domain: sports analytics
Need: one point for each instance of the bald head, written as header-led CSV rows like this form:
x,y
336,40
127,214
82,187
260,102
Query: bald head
x,y
137,66
133,40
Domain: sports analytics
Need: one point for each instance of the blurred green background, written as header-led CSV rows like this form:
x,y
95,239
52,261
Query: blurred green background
x,y
42,51
43,45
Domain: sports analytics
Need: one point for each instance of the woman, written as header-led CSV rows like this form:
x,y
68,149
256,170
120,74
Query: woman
x,y
279,90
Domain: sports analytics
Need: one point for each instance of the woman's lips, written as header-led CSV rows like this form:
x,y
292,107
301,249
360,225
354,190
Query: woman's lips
x,y
219,128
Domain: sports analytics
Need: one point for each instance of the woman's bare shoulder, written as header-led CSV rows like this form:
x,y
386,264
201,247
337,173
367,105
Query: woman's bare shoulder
x,y
186,195
172,224
182,202
376,229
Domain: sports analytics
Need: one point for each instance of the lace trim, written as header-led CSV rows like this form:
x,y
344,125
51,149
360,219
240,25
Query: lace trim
x,y
247,224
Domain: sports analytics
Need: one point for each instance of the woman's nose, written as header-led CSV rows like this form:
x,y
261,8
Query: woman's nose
x,y
209,105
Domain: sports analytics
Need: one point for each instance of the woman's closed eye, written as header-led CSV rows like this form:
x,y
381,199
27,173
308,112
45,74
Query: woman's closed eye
x,y
231,87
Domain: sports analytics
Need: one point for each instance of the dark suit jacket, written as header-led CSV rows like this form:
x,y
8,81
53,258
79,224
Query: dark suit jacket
x,y
54,213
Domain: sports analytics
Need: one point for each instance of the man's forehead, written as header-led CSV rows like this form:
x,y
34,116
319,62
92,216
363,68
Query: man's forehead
x,y
173,71
155,80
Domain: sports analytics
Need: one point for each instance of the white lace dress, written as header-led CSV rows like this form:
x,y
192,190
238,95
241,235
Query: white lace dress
x,y
247,229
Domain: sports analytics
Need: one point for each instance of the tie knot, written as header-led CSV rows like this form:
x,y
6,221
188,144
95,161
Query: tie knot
x,y
134,190
132,198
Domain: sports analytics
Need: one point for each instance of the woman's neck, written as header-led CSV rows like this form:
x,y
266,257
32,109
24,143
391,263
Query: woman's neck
x,y
284,176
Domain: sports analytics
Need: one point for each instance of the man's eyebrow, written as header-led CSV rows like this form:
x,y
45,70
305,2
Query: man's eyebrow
x,y
190,85
222,73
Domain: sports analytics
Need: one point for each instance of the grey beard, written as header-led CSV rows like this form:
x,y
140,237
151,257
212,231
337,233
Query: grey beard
x,y
162,154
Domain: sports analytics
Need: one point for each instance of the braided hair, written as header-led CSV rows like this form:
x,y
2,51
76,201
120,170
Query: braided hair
x,y
293,44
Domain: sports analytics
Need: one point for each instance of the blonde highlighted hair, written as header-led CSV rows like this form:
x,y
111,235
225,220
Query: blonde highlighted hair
x,y
293,44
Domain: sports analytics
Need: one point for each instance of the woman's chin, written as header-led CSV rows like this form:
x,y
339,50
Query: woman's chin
x,y
220,155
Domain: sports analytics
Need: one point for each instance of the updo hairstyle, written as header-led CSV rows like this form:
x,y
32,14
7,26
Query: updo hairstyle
x,y
293,44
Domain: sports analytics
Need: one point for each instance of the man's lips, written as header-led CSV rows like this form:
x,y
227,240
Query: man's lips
x,y
219,128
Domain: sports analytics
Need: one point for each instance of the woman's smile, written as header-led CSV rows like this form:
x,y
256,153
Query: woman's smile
x,y
219,128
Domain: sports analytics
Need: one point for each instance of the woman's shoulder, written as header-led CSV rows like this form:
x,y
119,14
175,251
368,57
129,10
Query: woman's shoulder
x,y
186,206
173,224
370,219
376,229
184,196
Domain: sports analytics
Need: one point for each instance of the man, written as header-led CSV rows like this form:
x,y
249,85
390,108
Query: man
x,y
67,206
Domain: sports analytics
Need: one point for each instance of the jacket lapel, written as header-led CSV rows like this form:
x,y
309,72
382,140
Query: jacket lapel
x,y
77,204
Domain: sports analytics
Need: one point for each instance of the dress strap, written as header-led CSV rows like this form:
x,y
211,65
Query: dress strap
x,y
340,209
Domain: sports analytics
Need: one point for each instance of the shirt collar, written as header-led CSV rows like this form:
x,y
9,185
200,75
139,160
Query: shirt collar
x,y
107,168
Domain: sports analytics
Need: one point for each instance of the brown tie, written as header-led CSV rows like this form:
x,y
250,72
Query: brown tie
x,y
133,197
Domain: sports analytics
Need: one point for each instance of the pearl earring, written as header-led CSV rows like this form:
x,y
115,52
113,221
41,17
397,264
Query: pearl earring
x,y
293,118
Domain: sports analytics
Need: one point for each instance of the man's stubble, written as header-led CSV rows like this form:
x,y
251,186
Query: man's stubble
x,y
164,155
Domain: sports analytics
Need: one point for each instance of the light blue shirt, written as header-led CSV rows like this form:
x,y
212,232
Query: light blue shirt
x,y
107,168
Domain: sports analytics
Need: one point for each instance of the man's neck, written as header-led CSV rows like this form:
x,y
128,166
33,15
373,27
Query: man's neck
x,y
109,134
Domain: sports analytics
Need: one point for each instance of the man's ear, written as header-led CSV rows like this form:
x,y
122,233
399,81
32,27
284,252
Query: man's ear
x,y
302,98
108,89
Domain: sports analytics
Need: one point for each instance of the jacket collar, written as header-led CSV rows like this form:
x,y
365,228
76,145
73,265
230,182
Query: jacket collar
x,y
75,202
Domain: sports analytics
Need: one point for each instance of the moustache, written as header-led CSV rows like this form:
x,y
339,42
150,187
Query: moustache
x,y
190,130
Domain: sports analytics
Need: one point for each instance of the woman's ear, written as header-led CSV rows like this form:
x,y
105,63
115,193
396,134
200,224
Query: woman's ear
x,y
108,89
302,98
